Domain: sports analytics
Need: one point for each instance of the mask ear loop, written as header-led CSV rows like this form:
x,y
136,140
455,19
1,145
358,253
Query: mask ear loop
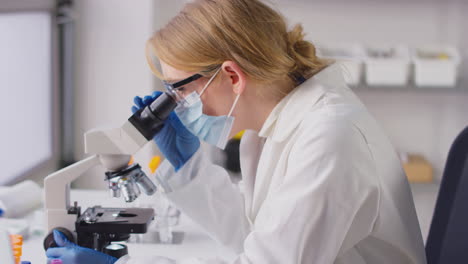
x,y
194,96
209,81
234,104
222,141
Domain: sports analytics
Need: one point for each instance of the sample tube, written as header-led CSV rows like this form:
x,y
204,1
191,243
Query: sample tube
x,y
17,246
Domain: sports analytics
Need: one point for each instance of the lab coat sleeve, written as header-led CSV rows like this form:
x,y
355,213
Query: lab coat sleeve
x,y
305,218
204,192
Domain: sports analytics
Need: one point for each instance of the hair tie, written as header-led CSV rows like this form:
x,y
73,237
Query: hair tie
x,y
297,78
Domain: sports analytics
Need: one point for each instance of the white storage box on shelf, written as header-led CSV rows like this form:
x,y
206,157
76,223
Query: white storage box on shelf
x,y
387,66
350,57
436,66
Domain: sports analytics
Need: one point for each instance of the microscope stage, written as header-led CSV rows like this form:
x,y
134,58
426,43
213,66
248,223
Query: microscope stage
x,y
115,220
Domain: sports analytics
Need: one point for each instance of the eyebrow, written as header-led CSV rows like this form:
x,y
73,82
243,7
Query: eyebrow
x,y
171,80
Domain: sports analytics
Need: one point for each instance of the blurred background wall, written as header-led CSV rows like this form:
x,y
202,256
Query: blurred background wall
x,y
417,120
111,69
110,66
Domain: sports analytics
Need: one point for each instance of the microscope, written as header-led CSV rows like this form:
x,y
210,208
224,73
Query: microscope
x,y
98,227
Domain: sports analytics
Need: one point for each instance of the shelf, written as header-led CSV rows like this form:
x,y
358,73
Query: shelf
x,y
460,89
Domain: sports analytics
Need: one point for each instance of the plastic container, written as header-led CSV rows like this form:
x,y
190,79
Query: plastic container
x,y
387,66
349,56
436,66
20,199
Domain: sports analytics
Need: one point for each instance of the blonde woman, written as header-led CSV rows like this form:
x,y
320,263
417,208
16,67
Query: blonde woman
x,y
321,182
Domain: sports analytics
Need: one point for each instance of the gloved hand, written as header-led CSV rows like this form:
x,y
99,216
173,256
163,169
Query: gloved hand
x,y
176,143
70,253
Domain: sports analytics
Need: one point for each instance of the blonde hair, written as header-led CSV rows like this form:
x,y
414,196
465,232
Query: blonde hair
x,y
208,32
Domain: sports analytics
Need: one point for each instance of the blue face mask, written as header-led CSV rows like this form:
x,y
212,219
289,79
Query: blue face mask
x,y
214,130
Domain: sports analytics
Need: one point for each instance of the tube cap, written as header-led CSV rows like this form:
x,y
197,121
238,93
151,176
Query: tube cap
x,y
16,240
25,262
1,212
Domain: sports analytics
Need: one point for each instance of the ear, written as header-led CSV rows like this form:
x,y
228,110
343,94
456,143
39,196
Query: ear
x,y
236,76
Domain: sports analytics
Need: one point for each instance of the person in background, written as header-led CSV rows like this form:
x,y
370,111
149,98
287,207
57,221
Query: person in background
x,y
321,182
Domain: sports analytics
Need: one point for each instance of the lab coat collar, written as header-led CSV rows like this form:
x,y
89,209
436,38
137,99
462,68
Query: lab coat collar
x,y
291,110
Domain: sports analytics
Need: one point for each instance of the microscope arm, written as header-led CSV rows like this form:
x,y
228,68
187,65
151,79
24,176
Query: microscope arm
x,y
113,149
57,193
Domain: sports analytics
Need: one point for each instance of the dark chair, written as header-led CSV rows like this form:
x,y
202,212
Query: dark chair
x,y
447,242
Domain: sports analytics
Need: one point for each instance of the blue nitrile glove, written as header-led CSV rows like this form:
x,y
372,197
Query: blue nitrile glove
x,y
70,253
176,143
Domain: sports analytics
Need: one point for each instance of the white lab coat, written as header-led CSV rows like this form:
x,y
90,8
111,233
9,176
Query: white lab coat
x,y
321,184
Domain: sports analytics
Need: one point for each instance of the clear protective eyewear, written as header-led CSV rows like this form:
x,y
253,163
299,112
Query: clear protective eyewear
x,y
178,89
183,93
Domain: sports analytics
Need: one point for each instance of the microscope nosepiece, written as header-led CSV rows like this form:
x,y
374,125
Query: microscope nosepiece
x,y
148,187
114,188
115,193
129,189
128,181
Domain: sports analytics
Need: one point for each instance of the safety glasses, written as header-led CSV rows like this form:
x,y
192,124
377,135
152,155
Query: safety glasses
x,y
178,88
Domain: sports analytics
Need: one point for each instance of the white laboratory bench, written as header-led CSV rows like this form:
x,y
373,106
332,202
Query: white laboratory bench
x,y
196,242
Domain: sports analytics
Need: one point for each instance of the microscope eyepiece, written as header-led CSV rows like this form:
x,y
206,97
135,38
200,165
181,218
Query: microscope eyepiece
x,y
149,120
